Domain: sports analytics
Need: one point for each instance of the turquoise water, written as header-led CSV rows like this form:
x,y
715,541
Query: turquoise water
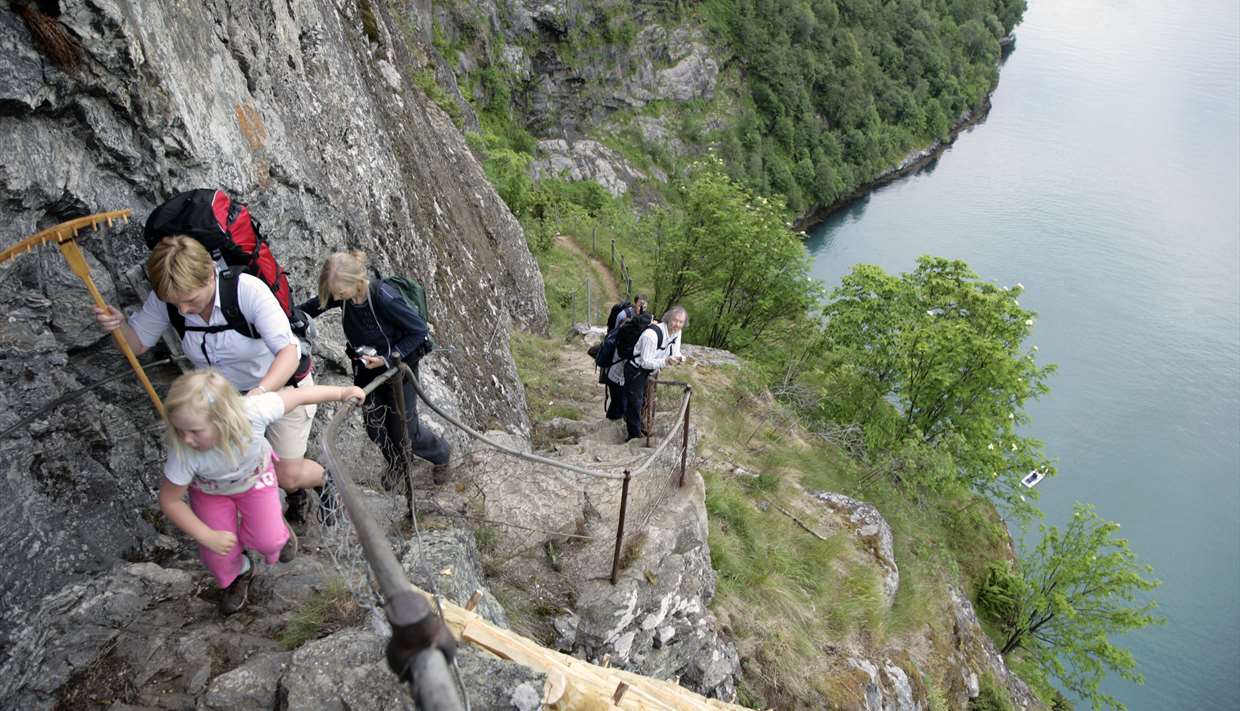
x,y
1107,180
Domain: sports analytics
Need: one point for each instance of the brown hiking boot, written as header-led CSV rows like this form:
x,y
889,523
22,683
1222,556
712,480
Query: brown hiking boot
x,y
289,551
237,595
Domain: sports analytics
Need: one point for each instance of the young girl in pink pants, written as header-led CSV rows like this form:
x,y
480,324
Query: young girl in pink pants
x,y
217,451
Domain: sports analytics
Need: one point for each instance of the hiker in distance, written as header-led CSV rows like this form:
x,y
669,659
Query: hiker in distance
x,y
217,452
621,314
382,329
657,346
185,281
637,308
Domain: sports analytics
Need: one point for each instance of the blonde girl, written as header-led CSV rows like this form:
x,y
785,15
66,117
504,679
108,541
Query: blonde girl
x,y
217,453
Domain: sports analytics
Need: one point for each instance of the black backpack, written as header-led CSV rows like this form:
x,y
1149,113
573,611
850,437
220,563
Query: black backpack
x,y
615,313
630,331
226,284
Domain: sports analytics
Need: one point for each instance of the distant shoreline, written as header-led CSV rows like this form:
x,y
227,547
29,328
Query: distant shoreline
x,y
916,160
912,163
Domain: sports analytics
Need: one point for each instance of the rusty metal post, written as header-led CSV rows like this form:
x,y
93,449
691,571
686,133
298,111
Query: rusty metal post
x,y
684,442
623,269
624,503
594,241
630,290
613,251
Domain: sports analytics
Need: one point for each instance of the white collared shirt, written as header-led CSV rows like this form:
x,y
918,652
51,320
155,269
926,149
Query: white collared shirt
x,y
647,354
242,360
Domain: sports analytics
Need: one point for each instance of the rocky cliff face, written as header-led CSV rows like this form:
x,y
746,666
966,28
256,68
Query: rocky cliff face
x,y
304,109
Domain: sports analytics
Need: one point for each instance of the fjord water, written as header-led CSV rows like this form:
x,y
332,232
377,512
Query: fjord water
x,y
1107,180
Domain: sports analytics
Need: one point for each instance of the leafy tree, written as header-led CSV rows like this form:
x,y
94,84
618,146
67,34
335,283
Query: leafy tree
x,y
945,349
1079,588
728,254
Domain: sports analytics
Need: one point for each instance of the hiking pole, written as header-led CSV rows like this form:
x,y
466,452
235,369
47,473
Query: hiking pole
x,y
64,236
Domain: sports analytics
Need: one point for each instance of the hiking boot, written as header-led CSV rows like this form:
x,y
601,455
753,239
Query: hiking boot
x,y
296,502
289,551
329,502
237,595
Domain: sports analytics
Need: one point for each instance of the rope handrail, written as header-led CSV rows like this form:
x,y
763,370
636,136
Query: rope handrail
x,y
428,672
534,457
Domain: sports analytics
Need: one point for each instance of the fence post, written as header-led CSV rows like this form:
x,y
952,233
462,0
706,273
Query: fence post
x,y
624,502
594,241
589,304
630,288
572,317
684,442
613,251
623,269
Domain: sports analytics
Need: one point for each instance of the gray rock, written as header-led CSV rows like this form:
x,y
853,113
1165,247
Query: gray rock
x,y
585,160
887,686
451,557
252,685
178,96
976,655
868,525
345,671
655,619
498,684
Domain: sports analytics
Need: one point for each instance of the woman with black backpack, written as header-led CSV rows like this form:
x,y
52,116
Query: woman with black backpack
x,y
382,329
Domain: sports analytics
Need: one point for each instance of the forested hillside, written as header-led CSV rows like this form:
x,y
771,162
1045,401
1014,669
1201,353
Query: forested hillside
x,y
842,90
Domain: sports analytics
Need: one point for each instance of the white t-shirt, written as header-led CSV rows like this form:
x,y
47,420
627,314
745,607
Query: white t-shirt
x,y
242,360
214,471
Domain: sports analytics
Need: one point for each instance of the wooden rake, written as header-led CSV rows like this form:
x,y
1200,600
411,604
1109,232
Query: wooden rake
x,y
64,236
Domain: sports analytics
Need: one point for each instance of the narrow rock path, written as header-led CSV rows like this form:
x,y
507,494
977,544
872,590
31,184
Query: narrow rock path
x,y
610,288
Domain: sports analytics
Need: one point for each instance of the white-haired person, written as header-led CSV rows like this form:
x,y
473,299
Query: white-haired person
x,y
658,346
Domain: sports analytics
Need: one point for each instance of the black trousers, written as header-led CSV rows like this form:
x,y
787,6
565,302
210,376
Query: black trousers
x,y
615,401
383,426
634,398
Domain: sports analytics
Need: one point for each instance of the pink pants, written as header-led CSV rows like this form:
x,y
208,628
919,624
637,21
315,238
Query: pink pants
x,y
261,528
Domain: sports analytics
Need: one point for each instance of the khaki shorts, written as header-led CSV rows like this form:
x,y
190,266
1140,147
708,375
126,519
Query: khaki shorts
x,y
289,434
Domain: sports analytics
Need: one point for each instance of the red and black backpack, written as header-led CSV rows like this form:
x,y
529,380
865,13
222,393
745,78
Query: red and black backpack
x,y
229,232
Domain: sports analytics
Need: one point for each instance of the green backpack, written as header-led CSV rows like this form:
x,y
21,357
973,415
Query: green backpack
x,y
415,295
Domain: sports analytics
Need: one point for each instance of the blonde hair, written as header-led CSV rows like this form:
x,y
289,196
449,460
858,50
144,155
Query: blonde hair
x,y
208,392
342,271
179,265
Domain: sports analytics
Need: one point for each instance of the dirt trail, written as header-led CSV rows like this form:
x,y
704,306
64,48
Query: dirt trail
x,y
601,272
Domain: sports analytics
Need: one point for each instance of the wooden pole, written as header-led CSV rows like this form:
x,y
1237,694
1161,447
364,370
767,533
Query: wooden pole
x,y
77,263
624,502
684,442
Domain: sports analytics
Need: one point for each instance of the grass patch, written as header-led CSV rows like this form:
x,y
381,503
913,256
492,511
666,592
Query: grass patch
x,y
547,392
424,79
787,596
328,611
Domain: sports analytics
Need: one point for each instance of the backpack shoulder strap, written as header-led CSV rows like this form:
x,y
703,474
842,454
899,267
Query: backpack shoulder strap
x,y
227,284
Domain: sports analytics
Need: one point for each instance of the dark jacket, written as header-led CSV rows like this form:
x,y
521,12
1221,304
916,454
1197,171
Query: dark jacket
x,y
384,322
